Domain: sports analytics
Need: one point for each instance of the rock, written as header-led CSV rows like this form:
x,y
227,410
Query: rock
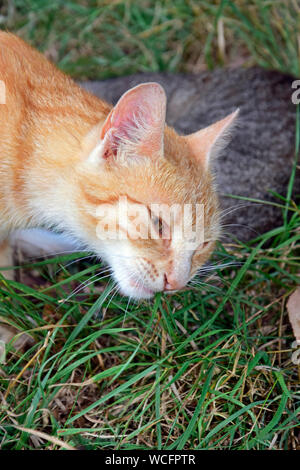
x,y
260,157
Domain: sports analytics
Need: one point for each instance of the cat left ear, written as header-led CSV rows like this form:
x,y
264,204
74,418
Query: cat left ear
x,y
208,142
135,125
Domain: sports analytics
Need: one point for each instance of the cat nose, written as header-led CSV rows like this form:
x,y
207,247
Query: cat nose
x,y
171,283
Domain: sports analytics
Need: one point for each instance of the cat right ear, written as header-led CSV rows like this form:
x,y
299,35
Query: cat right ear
x,y
208,142
134,127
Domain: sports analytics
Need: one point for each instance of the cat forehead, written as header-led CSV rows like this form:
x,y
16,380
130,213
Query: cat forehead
x,y
167,189
162,182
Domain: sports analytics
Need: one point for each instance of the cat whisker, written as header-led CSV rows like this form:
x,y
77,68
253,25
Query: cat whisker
x,y
116,289
218,266
128,303
197,284
53,254
229,210
126,310
209,269
237,225
87,283
138,283
75,261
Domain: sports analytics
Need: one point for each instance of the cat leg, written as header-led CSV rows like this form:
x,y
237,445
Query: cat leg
x,y
31,243
6,258
9,333
6,331
35,243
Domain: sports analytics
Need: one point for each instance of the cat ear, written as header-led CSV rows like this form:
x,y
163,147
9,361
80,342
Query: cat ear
x,y
135,125
208,142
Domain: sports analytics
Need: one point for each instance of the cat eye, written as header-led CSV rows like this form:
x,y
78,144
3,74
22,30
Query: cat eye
x,y
158,224
204,245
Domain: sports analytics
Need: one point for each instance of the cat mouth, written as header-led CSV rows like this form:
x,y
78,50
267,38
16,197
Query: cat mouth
x,y
133,286
141,290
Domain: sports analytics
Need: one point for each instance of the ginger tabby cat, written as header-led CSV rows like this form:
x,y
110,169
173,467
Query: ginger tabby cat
x,y
64,153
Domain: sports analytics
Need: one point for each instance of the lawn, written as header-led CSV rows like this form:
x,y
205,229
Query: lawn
x,y
214,367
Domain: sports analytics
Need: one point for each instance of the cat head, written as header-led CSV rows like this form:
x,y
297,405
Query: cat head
x,y
148,204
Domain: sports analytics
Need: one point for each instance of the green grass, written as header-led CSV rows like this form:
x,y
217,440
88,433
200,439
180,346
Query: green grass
x,y
209,368
104,38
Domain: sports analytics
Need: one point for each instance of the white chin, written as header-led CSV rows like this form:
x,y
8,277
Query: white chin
x,y
130,283
137,293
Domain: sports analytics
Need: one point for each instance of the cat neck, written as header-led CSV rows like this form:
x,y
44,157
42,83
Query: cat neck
x,y
47,195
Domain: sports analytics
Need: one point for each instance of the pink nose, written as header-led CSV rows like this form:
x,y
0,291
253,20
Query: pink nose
x,y
171,283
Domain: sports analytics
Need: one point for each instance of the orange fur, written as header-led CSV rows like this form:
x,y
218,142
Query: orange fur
x,y
49,128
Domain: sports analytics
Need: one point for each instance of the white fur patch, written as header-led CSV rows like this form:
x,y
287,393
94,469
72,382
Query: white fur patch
x,y
39,242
